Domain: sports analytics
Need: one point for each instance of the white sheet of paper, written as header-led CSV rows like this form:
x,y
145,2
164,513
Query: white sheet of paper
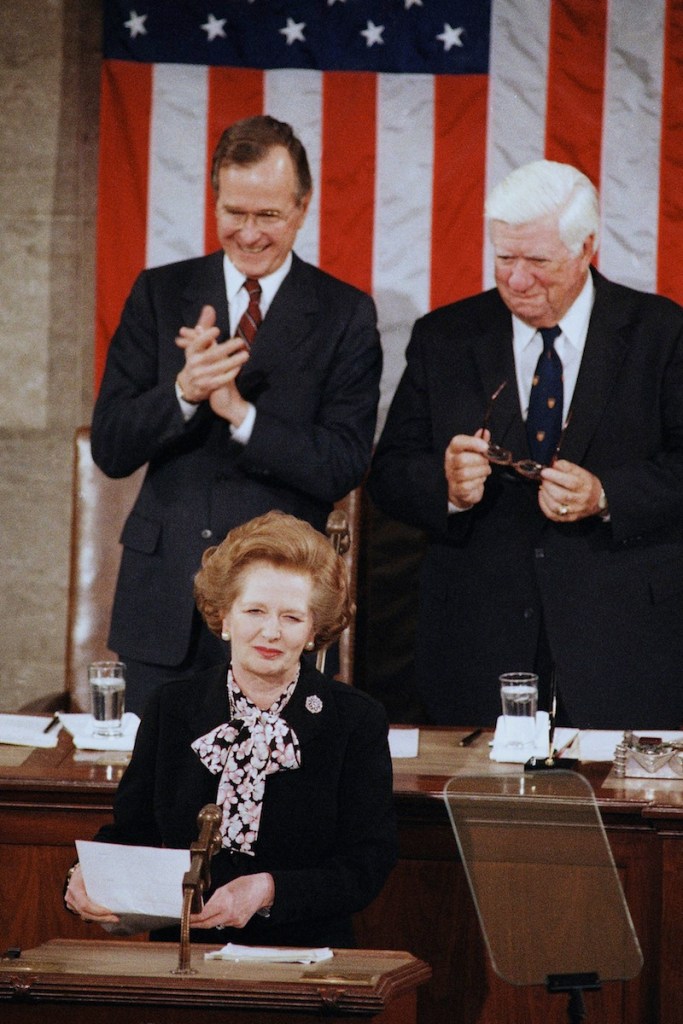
x,y
600,744
404,742
143,885
270,954
27,731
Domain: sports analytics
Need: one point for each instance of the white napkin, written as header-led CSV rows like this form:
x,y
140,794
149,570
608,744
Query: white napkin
x,y
520,755
404,742
270,954
27,731
82,729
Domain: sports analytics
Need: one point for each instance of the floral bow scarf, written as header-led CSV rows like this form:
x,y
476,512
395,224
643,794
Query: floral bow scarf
x,y
252,745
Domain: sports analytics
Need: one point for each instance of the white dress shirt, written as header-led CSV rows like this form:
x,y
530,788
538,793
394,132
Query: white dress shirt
x,y
527,345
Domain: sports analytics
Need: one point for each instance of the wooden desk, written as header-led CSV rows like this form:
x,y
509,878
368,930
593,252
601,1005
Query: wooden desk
x,y
47,800
82,981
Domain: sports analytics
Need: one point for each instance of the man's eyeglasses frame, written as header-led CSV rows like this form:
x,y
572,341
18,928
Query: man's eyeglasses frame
x,y
499,456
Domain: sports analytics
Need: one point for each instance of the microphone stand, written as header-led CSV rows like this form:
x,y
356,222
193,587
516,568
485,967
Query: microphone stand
x,y
198,878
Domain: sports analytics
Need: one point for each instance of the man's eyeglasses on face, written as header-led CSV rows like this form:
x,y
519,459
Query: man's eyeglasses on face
x,y
263,219
528,468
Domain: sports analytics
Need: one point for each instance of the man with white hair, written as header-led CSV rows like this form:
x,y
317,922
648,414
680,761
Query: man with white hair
x,y
537,437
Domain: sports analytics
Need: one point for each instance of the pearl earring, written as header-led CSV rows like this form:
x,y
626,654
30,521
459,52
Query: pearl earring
x,y
309,645
225,635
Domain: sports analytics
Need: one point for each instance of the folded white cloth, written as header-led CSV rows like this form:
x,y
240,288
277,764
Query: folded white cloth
x,y
28,731
270,954
404,742
82,729
520,755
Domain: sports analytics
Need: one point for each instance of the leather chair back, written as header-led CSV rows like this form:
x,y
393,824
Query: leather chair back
x,y
99,508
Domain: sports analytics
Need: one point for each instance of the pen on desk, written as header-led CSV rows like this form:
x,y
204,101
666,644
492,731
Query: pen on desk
x,y
54,721
469,738
570,742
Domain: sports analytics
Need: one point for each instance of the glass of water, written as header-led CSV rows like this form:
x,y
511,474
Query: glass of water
x,y
519,699
107,696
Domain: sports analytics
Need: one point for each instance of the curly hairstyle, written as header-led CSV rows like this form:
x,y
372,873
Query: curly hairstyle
x,y
285,542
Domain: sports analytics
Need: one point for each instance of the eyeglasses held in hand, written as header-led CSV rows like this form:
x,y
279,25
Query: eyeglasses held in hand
x,y
528,468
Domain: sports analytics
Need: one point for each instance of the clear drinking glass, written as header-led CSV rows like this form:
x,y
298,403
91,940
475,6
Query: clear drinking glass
x,y
107,681
519,700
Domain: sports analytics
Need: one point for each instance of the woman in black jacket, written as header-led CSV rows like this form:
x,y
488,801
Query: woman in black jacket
x,y
298,763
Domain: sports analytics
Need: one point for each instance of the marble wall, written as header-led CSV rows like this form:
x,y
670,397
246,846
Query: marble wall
x,y
49,81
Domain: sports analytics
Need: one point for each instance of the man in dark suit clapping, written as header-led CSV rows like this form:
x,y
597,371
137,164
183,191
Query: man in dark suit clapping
x,y
247,380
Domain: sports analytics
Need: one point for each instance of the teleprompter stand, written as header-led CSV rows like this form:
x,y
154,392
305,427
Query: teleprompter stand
x,y
543,880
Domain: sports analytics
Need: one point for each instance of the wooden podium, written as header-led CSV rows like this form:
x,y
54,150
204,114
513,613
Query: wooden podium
x,y
68,981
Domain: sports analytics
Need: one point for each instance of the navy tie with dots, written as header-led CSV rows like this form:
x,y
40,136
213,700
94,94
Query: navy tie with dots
x,y
544,418
250,320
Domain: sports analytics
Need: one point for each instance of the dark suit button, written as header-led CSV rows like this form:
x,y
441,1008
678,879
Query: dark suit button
x,y
539,553
528,613
206,534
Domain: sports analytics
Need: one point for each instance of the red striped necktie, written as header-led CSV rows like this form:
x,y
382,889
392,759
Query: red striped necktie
x,y
251,318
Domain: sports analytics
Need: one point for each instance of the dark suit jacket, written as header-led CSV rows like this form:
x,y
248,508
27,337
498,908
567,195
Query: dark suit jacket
x,y
610,593
313,376
327,833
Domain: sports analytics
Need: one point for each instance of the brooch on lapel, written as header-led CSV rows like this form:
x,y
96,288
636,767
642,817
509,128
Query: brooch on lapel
x,y
314,704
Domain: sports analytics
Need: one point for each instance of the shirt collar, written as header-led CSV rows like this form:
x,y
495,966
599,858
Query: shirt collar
x,y
574,323
234,279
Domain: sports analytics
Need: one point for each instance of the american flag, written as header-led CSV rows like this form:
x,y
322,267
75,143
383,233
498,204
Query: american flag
x,y
410,110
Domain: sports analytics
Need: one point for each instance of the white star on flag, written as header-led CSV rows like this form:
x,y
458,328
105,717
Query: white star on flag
x,y
294,31
451,37
412,3
331,3
136,24
214,28
373,34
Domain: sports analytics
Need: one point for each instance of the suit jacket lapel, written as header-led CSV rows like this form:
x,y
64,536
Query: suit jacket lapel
x,y
213,710
493,355
289,324
291,318
207,288
604,352
311,710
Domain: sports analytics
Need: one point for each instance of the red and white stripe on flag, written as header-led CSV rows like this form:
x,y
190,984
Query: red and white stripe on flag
x,y
401,162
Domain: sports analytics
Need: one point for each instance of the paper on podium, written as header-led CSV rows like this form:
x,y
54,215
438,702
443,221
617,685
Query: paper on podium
x,y
270,954
142,885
